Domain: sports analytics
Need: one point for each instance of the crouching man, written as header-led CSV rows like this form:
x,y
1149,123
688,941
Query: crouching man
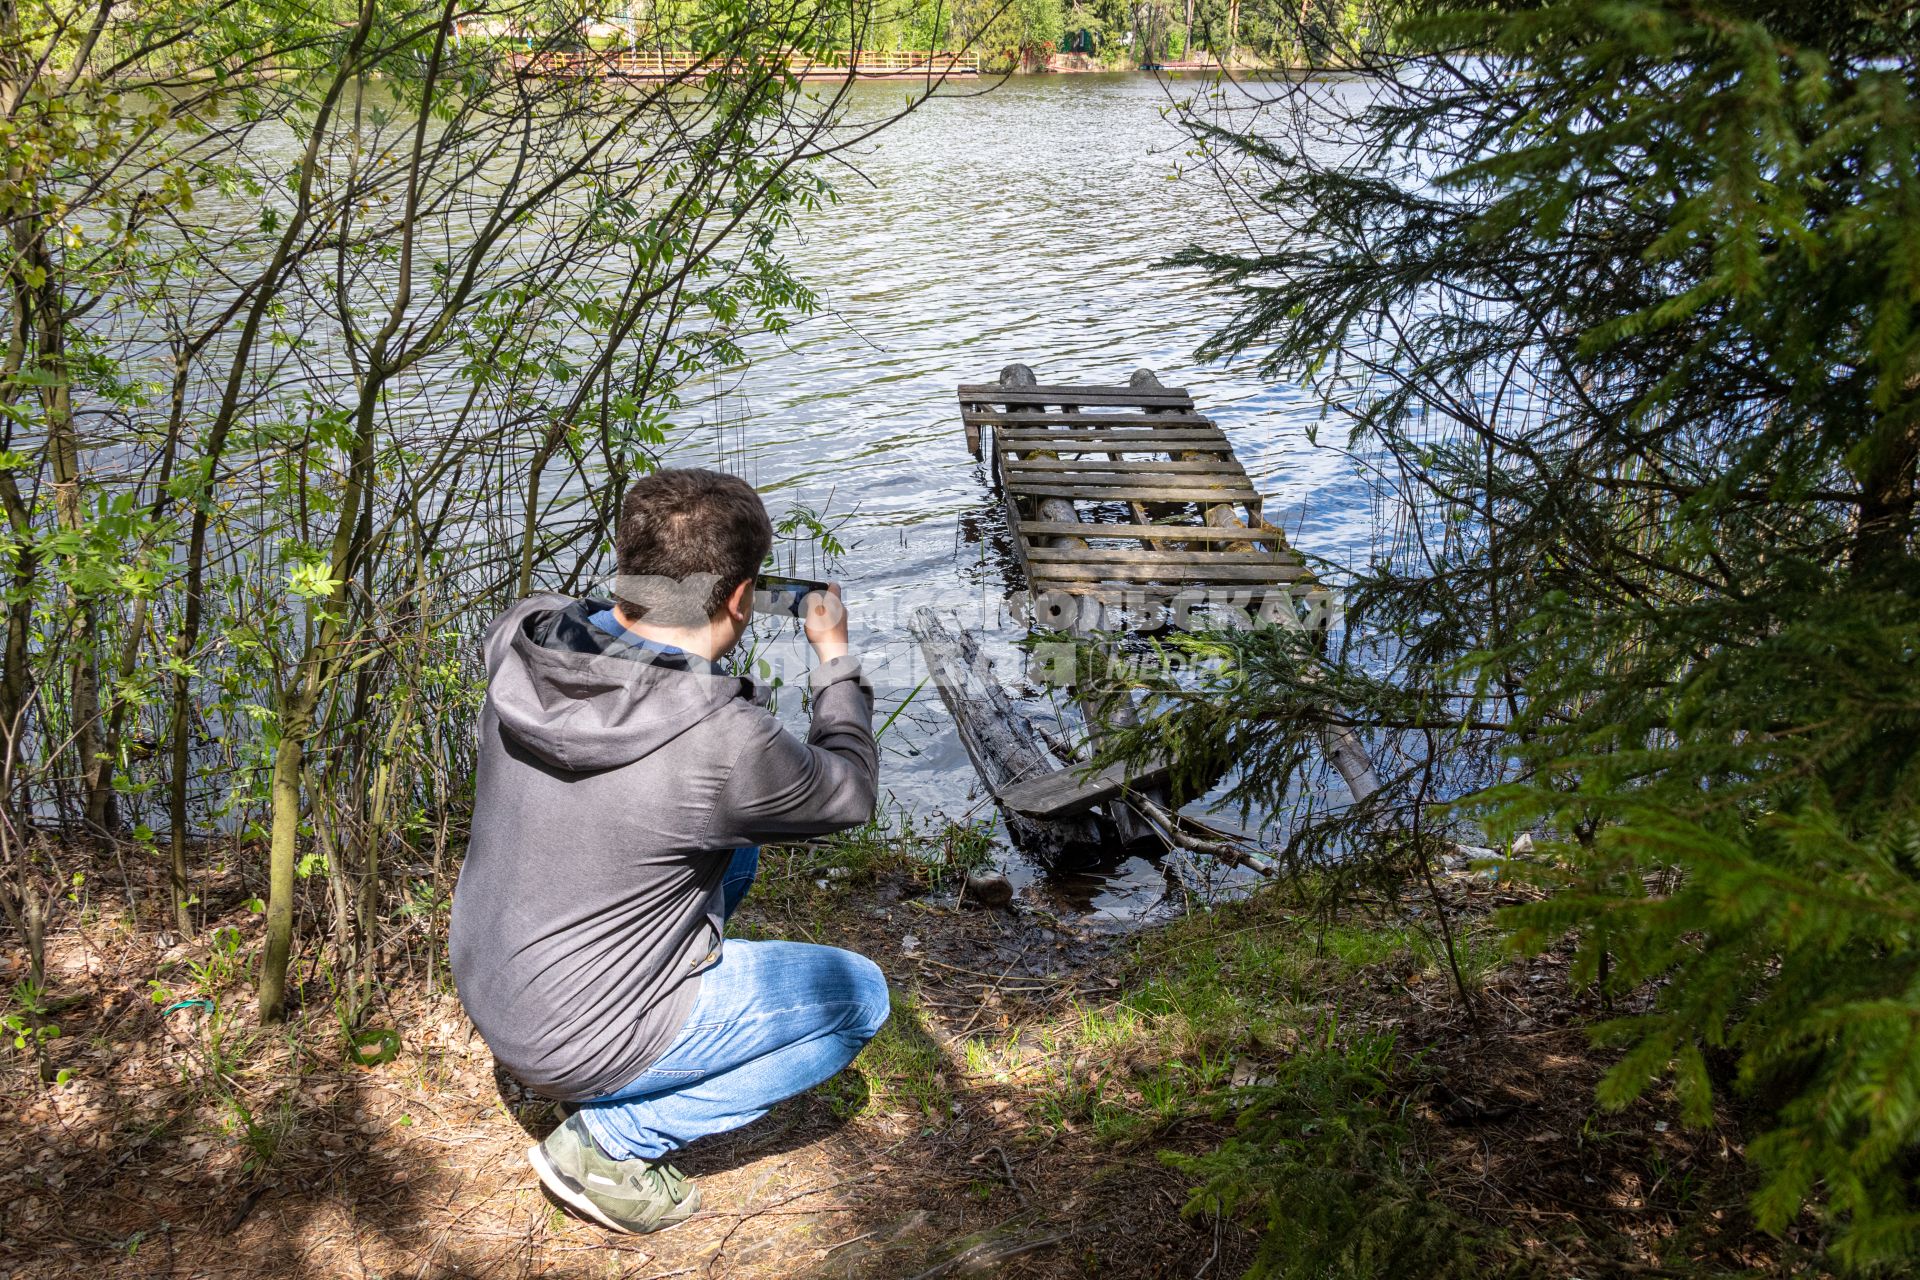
x,y
625,781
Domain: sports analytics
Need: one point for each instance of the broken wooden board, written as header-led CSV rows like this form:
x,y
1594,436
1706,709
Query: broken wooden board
x,y
1076,789
1004,748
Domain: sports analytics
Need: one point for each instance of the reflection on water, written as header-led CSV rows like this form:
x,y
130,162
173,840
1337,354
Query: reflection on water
x,y
1020,224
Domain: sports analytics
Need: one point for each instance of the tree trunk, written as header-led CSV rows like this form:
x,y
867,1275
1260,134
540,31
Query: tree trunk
x,y
1887,496
295,715
529,529
16,673
366,904
47,301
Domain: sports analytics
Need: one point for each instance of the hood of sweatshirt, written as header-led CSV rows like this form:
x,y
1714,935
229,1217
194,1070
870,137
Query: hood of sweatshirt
x,y
581,699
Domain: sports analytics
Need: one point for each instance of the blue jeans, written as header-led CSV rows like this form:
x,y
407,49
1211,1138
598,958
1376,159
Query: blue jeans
x,y
772,1019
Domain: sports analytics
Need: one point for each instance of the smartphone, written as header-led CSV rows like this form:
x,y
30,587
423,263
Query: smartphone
x,y
775,594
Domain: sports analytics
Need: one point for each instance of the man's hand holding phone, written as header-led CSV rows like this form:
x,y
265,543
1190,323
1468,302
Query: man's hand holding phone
x,y
816,604
825,619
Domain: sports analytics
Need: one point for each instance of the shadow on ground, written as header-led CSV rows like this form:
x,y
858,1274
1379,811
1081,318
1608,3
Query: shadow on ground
x,y
198,1144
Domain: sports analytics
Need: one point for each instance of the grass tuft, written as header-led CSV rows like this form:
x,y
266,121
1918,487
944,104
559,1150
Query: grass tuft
x,y
903,1065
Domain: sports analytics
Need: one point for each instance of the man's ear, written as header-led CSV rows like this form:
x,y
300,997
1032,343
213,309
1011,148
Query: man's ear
x,y
740,600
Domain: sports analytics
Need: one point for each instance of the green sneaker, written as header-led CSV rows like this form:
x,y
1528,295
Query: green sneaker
x,y
627,1195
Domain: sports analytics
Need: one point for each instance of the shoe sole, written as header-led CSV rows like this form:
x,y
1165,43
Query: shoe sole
x,y
571,1193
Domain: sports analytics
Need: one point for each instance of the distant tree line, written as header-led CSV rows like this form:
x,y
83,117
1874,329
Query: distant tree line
x,y
1009,34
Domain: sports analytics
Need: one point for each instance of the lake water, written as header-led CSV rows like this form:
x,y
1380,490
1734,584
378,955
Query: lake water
x,y
1020,224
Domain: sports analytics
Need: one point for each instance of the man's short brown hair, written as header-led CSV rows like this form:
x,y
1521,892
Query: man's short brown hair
x,y
687,537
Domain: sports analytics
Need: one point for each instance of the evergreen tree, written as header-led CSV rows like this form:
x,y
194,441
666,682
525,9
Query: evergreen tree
x,y
1619,303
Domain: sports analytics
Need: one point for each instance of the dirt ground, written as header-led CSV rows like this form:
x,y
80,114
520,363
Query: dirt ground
x,y
141,1163
195,1143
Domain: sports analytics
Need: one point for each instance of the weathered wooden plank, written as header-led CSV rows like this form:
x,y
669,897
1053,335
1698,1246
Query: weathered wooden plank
x,y
994,393
1117,458
1089,451
1200,432
1075,789
1033,418
1104,457
1128,489
1014,465
1129,439
999,741
1210,486
1059,571
1041,556
1182,532
1095,474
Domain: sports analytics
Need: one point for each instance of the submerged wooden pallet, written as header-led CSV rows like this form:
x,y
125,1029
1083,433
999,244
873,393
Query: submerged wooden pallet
x,y
1125,494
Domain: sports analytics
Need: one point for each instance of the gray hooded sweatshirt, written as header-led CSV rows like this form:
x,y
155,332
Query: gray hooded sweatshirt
x,y
614,785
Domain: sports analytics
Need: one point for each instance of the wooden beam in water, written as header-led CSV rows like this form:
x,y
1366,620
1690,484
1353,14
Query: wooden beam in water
x,y
1002,745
